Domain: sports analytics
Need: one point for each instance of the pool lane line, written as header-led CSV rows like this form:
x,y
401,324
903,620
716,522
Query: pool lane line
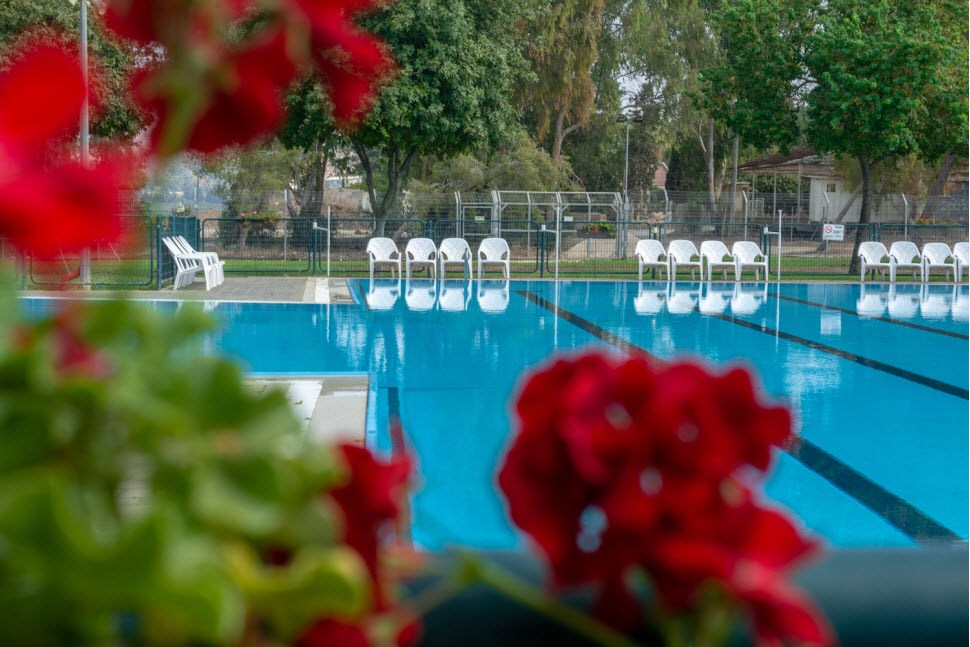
x,y
899,513
923,380
894,510
601,333
897,322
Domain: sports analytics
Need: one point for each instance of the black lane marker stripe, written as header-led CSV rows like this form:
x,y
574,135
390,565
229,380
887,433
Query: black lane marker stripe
x,y
852,357
613,340
897,512
904,517
897,322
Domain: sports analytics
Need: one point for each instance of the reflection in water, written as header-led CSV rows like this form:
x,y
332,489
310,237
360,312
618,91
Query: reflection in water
x,y
649,301
493,296
454,295
683,299
873,300
382,294
904,301
420,294
935,301
961,303
709,298
716,297
748,298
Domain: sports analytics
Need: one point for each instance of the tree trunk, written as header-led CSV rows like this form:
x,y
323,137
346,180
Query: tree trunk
x,y
709,165
560,135
933,199
865,211
396,171
734,179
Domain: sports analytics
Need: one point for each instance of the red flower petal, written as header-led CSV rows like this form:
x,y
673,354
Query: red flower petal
x,y
40,99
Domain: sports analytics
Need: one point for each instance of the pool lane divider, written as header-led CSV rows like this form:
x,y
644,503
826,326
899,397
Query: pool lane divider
x,y
898,322
924,380
894,510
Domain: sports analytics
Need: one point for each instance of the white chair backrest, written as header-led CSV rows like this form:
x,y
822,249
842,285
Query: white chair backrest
x,y
382,249
904,252
872,251
746,251
682,250
937,253
650,251
493,249
421,249
714,250
454,249
962,251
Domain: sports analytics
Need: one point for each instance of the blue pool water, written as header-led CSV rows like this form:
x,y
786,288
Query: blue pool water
x,y
877,377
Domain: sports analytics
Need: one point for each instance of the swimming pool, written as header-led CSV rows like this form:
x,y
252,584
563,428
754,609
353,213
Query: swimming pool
x,y
877,377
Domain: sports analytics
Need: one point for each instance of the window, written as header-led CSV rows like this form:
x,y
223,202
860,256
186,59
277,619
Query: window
x,y
831,187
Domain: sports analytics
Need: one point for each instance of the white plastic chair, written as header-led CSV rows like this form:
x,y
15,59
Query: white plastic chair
x,y
454,251
961,254
454,295
903,301
420,294
907,257
714,252
493,296
680,253
187,266
746,254
207,258
871,254
382,294
682,300
715,298
649,254
872,303
935,301
421,252
494,251
746,300
649,301
383,251
936,255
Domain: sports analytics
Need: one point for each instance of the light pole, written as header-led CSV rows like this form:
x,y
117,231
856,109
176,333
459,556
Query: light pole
x,y
623,118
85,269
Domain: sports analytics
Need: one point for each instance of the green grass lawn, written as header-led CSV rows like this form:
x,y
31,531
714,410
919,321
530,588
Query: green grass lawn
x,y
141,274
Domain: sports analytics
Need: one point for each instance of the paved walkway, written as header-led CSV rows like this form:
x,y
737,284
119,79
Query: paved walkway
x,y
276,289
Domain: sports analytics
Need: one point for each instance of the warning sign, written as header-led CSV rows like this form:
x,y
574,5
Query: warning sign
x,y
833,232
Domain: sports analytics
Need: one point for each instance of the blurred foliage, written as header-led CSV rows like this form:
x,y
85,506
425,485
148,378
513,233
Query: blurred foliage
x,y
141,482
114,116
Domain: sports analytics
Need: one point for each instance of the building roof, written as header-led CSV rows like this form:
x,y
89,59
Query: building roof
x,y
801,160
805,161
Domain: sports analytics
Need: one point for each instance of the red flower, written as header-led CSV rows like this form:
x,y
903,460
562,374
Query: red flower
x,y
47,207
371,502
619,464
351,61
337,633
161,21
244,101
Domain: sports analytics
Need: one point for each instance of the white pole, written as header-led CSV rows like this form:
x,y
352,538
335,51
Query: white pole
x,y
779,246
329,226
905,217
744,197
626,166
85,135
285,228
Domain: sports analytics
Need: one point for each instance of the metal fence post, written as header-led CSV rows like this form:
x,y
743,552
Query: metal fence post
x,y
158,254
905,217
329,228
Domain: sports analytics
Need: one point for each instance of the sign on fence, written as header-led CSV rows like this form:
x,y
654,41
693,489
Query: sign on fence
x,y
833,232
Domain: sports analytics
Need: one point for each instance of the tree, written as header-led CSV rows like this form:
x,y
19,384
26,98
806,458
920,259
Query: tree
x,y
875,65
866,74
112,62
458,63
564,47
